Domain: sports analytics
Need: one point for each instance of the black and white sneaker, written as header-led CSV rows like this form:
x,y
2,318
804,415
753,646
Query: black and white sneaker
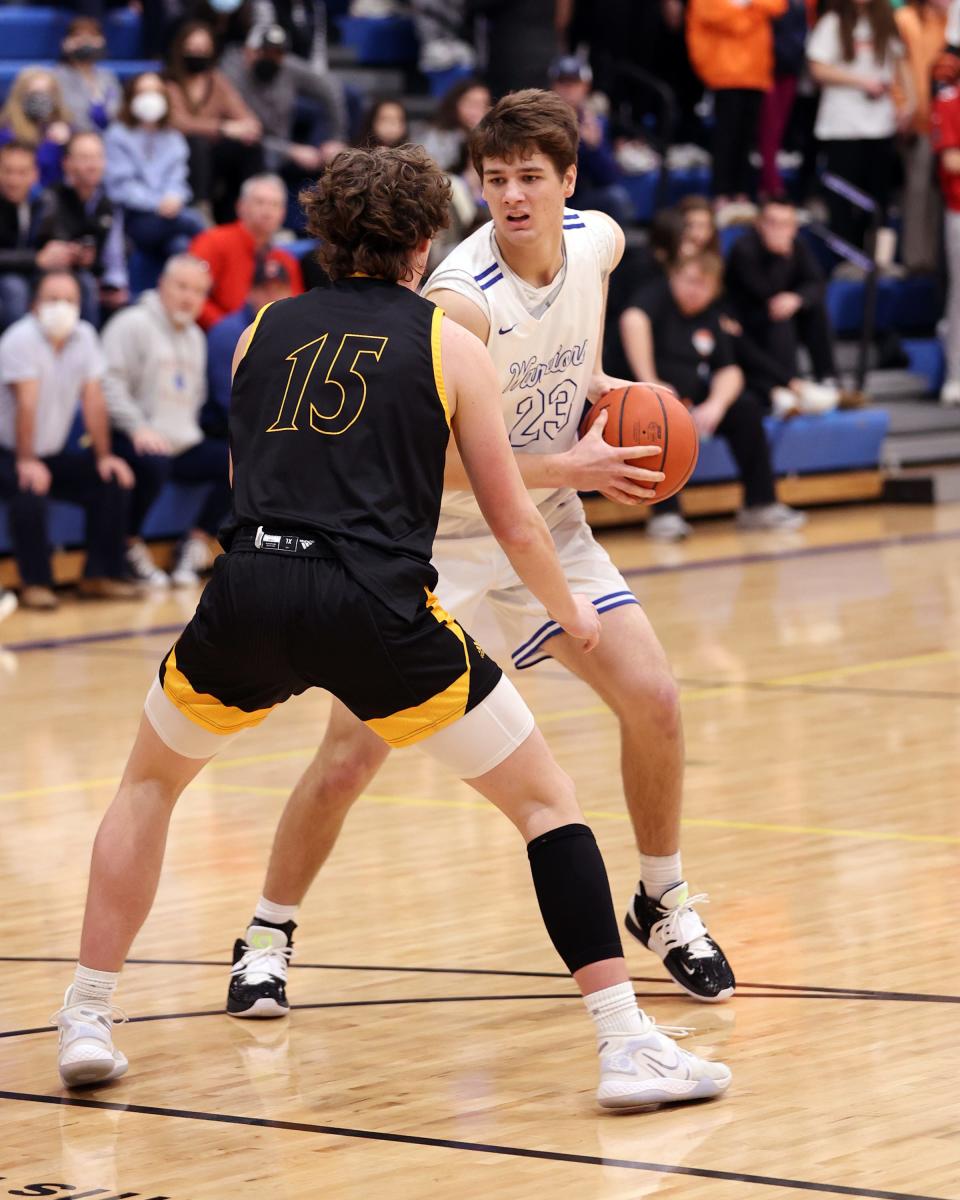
x,y
672,930
258,981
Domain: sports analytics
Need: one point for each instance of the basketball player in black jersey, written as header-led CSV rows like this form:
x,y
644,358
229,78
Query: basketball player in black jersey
x,y
343,403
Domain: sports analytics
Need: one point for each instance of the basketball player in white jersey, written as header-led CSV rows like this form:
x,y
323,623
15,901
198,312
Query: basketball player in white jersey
x,y
531,284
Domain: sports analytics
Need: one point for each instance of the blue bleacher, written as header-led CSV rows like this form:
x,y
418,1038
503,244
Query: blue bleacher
x,y
380,41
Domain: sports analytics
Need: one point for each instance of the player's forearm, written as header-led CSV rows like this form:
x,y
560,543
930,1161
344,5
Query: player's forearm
x,y
26,420
95,419
527,543
536,471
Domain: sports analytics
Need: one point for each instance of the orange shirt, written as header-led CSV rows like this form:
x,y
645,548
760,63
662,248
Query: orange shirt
x,y
731,44
924,38
231,254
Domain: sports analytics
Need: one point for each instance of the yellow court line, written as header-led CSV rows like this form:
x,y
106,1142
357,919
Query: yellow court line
x,y
881,664
603,815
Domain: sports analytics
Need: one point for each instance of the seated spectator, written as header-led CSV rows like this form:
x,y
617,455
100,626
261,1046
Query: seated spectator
x,y
598,175
232,251
700,231
51,366
385,124
672,332
147,169
21,218
91,94
271,281
222,132
34,115
80,216
461,108
155,386
856,56
778,294
274,83
731,48
946,142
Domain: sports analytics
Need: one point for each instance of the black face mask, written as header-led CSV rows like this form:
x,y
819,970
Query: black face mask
x,y
265,70
86,53
196,64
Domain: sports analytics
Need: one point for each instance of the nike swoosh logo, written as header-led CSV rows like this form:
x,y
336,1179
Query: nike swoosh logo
x,y
510,330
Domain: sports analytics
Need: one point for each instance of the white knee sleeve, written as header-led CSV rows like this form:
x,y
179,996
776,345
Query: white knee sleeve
x,y
487,735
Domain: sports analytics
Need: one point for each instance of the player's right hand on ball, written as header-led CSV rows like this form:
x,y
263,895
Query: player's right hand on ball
x,y
584,625
595,466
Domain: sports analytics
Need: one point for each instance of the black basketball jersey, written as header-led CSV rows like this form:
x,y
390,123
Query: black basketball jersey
x,y
339,428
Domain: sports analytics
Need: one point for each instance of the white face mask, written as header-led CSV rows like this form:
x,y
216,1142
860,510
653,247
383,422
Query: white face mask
x,y
149,106
58,318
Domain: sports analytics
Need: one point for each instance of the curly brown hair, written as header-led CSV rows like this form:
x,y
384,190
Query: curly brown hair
x,y
372,207
526,122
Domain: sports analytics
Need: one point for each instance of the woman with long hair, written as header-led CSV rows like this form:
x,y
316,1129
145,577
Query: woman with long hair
x,y
34,115
222,132
148,168
856,56
461,108
385,124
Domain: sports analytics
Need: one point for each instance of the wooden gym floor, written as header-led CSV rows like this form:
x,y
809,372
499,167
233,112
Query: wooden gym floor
x,y
436,1048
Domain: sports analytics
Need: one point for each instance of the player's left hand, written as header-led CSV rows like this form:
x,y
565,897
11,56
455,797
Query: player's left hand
x,y
110,467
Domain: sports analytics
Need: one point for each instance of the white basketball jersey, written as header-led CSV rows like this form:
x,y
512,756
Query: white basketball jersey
x,y
543,342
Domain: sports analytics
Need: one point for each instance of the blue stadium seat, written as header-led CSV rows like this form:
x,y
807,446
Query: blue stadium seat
x,y
123,68
440,82
378,40
31,33
642,190
715,463
123,30
926,359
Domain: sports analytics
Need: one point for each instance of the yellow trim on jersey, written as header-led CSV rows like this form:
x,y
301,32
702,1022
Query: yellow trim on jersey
x,y
438,361
253,329
203,709
414,724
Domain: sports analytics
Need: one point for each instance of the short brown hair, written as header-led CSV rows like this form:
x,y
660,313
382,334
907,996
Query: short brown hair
x,y
372,206
707,261
523,123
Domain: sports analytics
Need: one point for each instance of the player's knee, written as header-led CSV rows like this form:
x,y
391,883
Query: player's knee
x,y
654,699
343,769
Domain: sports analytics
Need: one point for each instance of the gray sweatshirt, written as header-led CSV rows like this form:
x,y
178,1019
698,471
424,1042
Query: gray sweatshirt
x,y
156,373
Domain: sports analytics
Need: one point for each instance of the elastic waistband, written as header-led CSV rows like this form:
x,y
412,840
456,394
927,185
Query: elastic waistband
x,y
274,541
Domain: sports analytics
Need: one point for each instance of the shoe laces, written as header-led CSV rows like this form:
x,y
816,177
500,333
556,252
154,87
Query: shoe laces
x,y
683,927
264,960
194,555
98,1010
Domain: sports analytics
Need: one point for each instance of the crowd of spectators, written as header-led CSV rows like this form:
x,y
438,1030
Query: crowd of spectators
x,y
194,170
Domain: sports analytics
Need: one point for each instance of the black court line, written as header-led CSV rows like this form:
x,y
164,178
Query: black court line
x,y
408,1139
892,542
802,990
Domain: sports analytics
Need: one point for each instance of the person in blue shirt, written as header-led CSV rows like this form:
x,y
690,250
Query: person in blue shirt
x,y
271,281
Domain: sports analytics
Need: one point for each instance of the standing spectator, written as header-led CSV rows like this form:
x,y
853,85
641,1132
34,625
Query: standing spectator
x,y
232,251
731,48
271,281
80,215
385,124
155,386
598,175
274,84
946,142
21,219
51,365
34,115
922,25
778,294
223,134
147,169
91,94
522,38
672,331
789,61
856,56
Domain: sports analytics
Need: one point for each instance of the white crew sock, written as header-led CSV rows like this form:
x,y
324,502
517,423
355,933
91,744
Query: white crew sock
x,y
276,914
614,1010
659,874
93,987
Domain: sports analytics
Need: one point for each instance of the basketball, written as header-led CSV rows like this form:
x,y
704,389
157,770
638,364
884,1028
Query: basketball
x,y
643,415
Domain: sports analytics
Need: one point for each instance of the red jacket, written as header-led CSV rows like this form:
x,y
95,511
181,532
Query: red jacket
x,y
945,135
731,44
232,255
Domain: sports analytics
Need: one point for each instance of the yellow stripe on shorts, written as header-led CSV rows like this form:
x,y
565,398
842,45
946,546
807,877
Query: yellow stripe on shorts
x,y
205,710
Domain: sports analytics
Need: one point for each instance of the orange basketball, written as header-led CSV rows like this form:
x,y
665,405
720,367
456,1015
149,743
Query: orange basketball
x,y
642,415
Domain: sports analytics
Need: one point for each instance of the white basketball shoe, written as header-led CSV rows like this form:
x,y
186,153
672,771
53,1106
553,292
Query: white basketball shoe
x,y
86,1054
637,1070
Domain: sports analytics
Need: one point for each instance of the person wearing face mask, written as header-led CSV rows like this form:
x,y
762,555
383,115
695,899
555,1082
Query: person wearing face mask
x,y
275,84
156,385
51,366
223,134
35,116
91,93
147,171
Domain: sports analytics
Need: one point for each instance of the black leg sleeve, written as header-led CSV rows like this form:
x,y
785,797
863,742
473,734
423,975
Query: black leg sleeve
x,y
574,896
